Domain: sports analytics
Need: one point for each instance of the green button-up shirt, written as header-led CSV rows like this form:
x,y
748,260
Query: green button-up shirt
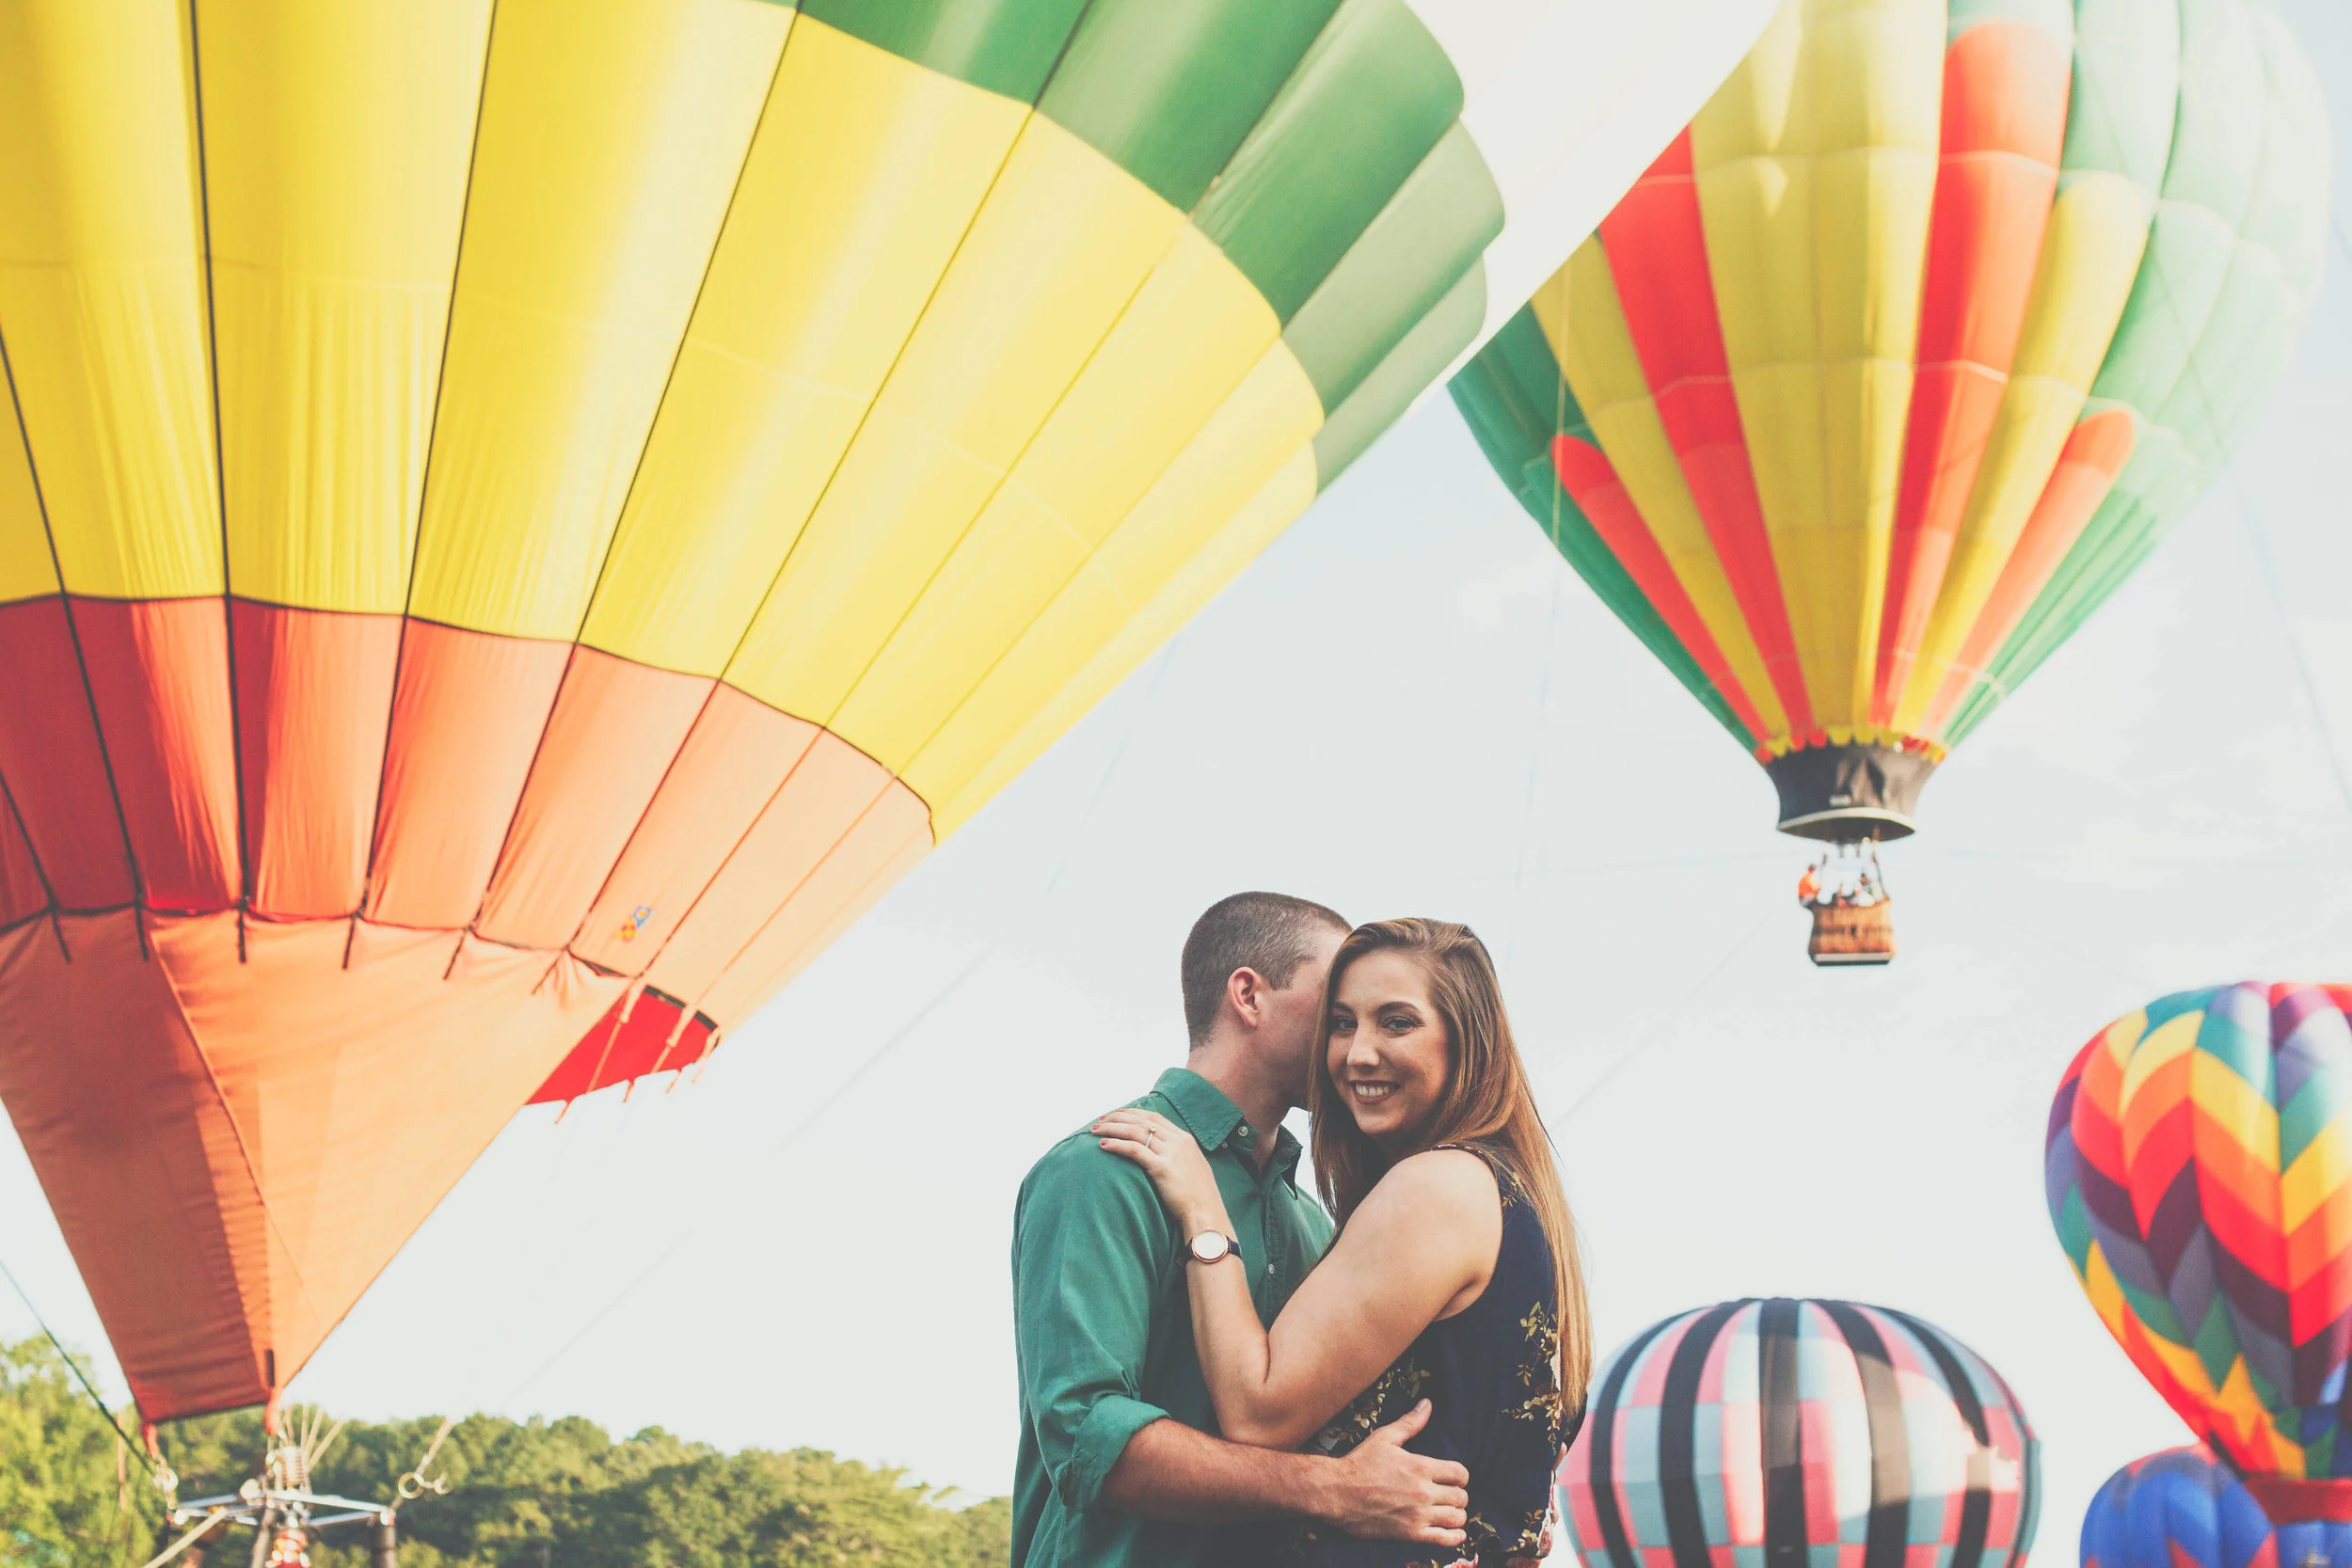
x,y
1102,1324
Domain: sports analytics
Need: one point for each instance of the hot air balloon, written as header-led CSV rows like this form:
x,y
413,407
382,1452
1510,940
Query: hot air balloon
x,y
1900,358
2184,1508
2198,1166
519,522
1801,1428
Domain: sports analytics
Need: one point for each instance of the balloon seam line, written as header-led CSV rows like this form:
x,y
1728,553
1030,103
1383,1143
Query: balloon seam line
x,y
930,299
702,1218
790,550
424,481
220,472
73,639
604,559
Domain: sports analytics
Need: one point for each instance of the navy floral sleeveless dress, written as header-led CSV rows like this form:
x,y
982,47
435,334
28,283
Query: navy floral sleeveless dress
x,y
1495,1406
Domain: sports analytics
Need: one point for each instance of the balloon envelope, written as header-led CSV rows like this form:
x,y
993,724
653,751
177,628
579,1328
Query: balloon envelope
x,y
1904,353
1806,1428
519,522
2197,1163
2183,1509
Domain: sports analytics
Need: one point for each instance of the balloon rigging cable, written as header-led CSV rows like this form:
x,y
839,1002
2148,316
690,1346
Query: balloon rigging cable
x,y
1656,1031
2104,966
1543,698
2246,511
2286,629
694,1229
1535,754
72,1366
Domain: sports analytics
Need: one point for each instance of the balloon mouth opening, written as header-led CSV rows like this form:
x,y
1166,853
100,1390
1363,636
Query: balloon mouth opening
x,y
1850,794
1850,825
2300,1502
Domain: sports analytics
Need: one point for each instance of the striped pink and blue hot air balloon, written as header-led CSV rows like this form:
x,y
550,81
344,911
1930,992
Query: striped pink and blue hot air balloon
x,y
1782,1433
2184,1508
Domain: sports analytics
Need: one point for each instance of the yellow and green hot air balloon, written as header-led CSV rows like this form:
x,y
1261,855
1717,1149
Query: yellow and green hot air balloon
x,y
519,521
1901,357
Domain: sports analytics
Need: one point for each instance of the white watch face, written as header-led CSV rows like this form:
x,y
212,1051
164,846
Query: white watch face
x,y
1209,1246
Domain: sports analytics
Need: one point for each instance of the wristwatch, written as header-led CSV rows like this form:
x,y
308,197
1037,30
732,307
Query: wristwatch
x,y
1212,1247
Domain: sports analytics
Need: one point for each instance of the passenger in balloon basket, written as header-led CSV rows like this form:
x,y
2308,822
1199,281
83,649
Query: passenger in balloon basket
x,y
1450,1301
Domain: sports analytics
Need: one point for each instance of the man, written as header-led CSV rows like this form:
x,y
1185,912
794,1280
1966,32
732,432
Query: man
x,y
1119,1462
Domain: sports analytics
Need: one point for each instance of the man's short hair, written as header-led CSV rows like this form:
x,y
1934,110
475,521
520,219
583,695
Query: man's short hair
x,y
1269,933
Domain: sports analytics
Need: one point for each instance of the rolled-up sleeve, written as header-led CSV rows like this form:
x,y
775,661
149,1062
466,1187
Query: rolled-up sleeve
x,y
1089,1247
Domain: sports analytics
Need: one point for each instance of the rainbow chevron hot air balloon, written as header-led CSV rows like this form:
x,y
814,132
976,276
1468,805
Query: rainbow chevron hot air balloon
x,y
2200,1175
519,520
1902,357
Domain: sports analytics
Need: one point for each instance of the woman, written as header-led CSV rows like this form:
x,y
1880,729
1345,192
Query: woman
x,y
1455,1274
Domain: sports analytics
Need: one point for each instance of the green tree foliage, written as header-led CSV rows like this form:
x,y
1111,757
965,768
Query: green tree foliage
x,y
64,1499
533,1493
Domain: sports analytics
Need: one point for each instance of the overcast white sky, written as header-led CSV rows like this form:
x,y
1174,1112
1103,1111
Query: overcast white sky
x,y
1408,706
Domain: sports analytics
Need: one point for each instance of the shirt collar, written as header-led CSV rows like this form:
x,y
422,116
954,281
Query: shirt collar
x,y
1200,1105
1286,1156
1213,1118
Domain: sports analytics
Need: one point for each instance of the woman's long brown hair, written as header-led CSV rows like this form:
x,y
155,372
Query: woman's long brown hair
x,y
1486,1101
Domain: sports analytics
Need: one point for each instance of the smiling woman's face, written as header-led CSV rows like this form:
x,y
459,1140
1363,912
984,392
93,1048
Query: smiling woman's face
x,y
1389,1056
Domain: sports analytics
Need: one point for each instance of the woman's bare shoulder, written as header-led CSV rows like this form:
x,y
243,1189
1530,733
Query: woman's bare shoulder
x,y
1437,1184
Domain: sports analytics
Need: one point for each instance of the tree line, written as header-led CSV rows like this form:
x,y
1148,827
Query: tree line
x,y
536,1493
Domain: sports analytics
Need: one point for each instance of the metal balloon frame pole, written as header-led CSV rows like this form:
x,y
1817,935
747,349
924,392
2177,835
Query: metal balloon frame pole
x,y
283,1512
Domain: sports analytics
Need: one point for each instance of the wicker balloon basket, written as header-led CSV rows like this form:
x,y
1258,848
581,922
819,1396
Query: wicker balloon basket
x,y
1852,933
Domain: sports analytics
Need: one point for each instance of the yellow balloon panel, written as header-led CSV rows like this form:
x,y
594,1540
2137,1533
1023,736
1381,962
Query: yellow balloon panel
x,y
1815,204
2312,1179
611,134
102,286
824,268
1254,437
1064,242
1229,542
1180,348
1259,432
337,140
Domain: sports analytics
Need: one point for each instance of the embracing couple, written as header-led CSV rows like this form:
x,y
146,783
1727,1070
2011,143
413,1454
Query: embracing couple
x,y
1209,1376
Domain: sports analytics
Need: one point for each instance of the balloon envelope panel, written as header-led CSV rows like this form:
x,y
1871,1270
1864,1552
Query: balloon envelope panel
x,y
519,522
1827,1433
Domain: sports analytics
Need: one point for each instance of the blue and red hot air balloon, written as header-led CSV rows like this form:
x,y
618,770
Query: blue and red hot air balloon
x,y
2184,1508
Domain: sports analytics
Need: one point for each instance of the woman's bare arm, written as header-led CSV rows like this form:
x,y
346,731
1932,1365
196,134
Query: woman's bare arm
x,y
1422,1245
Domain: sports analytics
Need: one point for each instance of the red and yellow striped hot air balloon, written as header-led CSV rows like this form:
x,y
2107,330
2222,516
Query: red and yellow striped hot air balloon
x,y
519,521
1901,356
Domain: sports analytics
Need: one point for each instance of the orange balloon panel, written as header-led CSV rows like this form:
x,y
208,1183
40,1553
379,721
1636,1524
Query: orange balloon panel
x,y
241,1108
570,853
